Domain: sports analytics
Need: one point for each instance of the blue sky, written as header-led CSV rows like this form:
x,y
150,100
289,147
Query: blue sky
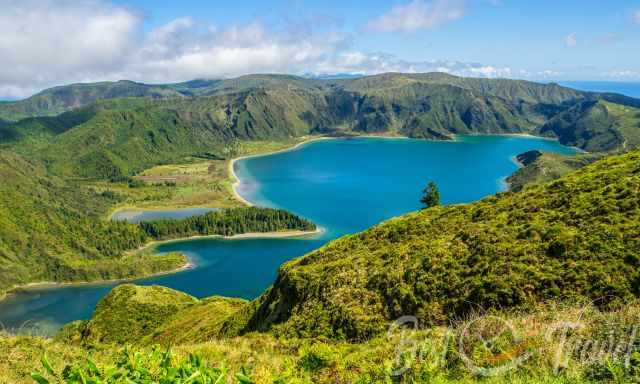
x,y
49,42
524,34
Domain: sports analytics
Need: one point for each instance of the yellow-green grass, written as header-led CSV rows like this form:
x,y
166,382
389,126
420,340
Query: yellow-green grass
x,y
552,343
192,183
628,123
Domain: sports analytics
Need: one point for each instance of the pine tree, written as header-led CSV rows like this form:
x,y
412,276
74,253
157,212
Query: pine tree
x,y
430,195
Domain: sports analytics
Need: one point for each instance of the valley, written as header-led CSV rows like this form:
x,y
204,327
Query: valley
x,y
74,155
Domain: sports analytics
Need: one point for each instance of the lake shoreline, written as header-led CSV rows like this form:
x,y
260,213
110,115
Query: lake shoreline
x,y
187,266
232,174
236,179
34,286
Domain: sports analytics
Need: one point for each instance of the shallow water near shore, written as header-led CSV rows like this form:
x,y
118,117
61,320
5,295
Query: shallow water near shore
x,y
343,185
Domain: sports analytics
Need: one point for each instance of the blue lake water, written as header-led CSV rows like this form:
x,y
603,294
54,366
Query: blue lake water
x,y
137,216
344,186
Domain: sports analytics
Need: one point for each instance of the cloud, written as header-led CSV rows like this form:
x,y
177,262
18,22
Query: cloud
x,y
374,63
571,41
636,16
623,74
44,41
418,14
609,39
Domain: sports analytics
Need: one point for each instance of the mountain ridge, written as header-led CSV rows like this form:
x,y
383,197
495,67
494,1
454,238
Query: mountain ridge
x,y
116,138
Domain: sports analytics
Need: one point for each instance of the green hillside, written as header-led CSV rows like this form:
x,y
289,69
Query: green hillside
x,y
56,100
538,167
118,141
575,236
53,230
431,355
596,126
117,138
326,318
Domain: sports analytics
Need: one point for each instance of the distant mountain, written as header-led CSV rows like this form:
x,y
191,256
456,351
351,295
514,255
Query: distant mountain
x,y
56,100
596,125
118,137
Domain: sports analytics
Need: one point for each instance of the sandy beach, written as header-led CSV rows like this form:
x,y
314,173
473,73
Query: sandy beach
x,y
236,179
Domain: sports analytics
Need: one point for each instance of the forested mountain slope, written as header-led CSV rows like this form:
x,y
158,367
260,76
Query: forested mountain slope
x,y
53,231
118,138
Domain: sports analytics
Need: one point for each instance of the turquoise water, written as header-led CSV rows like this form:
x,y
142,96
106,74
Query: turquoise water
x,y
137,216
342,185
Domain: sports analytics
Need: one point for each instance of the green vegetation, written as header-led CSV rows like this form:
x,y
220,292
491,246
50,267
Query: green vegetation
x,y
56,100
120,137
430,195
538,167
439,352
194,182
596,126
52,230
129,313
228,222
575,236
325,317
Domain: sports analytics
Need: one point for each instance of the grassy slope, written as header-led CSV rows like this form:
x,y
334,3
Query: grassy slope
x,y
52,231
265,358
576,236
56,100
547,167
573,236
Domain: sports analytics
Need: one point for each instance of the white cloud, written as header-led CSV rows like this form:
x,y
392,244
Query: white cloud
x,y
44,43
571,41
369,64
623,74
418,14
636,16
609,39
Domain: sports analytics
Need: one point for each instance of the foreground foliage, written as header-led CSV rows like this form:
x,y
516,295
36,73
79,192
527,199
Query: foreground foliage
x,y
156,367
543,352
